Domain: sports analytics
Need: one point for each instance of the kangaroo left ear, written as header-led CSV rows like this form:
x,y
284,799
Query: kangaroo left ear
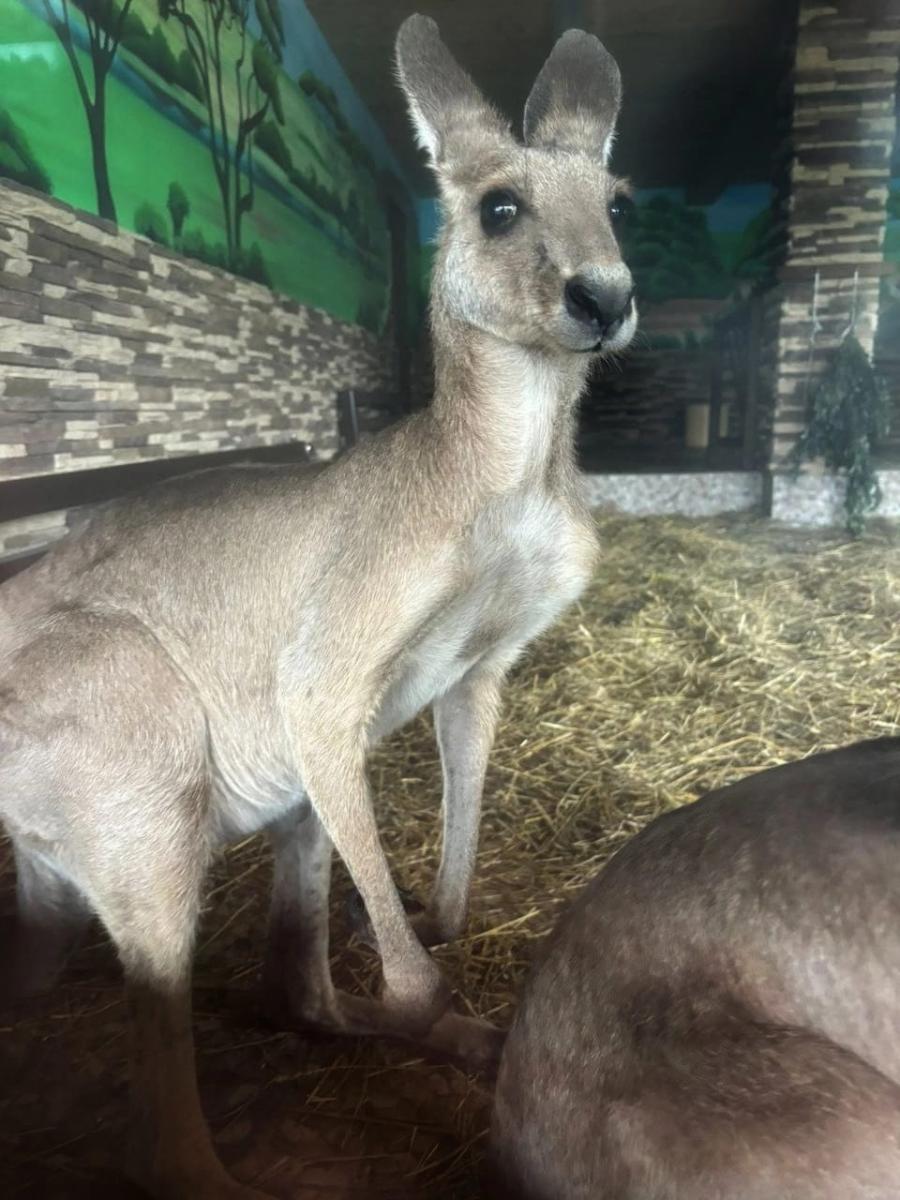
x,y
443,101
576,97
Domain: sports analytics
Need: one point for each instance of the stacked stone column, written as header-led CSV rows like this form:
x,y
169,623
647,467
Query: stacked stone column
x,y
842,136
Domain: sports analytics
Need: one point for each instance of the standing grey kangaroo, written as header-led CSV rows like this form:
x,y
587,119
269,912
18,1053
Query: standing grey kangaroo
x,y
217,655
716,1017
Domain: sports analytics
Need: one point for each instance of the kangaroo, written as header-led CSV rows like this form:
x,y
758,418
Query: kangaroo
x,y
217,655
716,1017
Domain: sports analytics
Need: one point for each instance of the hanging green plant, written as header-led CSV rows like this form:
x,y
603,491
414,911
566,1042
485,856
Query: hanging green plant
x,y
848,414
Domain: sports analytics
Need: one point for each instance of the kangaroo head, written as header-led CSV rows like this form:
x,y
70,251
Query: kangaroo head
x,y
528,250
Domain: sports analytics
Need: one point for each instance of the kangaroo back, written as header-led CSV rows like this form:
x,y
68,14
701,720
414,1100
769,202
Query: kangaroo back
x,y
715,1017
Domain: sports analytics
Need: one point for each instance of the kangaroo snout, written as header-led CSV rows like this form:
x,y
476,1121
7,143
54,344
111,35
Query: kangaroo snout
x,y
600,304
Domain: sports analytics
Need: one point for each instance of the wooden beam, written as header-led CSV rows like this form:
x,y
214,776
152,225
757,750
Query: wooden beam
x,y
35,494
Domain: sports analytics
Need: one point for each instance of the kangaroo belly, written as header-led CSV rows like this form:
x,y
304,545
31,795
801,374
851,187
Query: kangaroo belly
x,y
251,788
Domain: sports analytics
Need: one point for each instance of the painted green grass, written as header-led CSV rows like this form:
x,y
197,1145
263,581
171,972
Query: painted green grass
x,y
16,23
146,153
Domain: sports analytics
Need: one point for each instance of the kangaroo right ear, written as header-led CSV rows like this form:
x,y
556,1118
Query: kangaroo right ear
x,y
576,97
442,98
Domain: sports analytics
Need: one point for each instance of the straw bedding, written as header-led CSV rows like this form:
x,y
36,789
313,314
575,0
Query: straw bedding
x,y
704,650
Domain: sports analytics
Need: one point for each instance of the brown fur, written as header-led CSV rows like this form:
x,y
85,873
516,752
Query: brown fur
x,y
218,655
716,1017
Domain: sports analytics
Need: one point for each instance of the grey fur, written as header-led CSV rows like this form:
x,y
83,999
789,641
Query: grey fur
x,y
716,1016
576,97
218,655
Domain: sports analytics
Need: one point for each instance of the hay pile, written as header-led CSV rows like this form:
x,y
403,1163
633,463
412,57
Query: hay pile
x,y
703,651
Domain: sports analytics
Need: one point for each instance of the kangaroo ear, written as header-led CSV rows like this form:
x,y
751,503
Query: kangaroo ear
x,y
576,97
443,101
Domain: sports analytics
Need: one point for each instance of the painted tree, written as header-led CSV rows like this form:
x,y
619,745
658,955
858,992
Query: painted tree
x,y
179,207
17,160
105,23
239,80
672,253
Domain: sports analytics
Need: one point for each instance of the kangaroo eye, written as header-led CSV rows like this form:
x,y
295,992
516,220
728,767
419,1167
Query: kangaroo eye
x,y
620,210
499,210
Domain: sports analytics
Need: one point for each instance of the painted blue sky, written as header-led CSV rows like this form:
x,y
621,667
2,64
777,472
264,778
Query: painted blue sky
x,y
738,205
735,207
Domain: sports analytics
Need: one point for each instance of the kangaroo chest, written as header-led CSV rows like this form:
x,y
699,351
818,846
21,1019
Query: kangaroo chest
x,y
522,562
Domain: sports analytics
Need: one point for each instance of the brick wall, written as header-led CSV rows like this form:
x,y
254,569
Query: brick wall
x,y
114,350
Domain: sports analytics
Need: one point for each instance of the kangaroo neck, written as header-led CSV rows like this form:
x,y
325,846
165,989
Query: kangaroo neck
x,y
505,413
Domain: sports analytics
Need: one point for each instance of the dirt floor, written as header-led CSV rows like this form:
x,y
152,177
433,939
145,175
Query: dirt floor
x,y
703,651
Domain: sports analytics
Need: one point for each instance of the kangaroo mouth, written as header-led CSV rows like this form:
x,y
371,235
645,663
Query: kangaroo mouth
x,y
601,344
579,338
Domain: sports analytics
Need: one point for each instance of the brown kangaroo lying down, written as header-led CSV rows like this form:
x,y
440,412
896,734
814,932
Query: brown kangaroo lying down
x,y
718,1016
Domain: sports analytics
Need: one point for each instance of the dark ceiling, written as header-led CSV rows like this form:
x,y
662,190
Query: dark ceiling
x,y
701,76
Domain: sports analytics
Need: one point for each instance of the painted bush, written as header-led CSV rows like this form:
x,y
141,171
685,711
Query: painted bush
x,y
16,158
674,253
202,124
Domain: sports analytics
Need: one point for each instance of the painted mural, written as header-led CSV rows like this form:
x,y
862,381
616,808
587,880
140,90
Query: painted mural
x,y
681,251
224,129
715,253
892,233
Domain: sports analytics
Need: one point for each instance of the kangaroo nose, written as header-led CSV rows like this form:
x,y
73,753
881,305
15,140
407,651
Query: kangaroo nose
x,y
601,306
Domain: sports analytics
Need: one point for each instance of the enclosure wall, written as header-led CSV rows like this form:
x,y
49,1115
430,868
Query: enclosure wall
x,y
843,137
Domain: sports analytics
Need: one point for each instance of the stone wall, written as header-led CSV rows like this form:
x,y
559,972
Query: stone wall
x,y
842,137
114,350
687,494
